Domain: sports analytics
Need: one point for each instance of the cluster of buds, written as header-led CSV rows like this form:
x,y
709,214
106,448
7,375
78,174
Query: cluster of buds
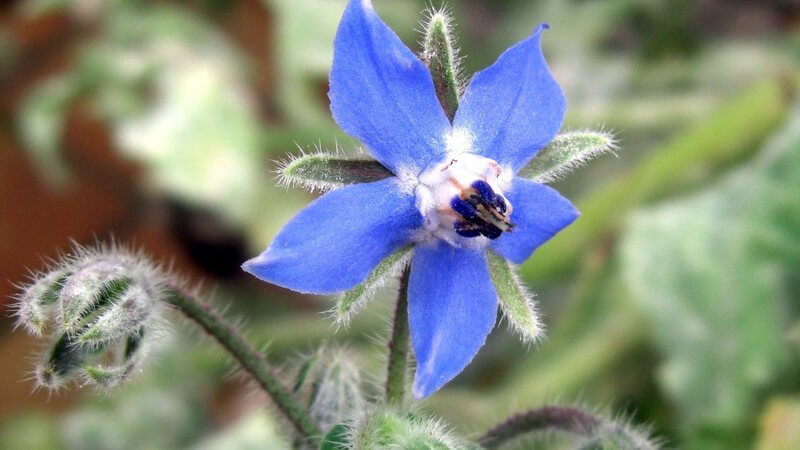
x,y
99,309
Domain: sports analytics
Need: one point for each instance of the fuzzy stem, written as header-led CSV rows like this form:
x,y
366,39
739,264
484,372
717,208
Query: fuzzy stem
x,y
562,418
398,345
251,361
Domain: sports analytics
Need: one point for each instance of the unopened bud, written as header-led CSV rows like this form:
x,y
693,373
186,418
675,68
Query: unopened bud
x,y
391,428
611,435
334,387
106,304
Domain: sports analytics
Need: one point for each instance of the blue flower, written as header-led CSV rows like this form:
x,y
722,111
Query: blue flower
x,y
454,195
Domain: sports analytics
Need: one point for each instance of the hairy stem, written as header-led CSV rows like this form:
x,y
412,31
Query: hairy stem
x,y
546,418
398,345
251,360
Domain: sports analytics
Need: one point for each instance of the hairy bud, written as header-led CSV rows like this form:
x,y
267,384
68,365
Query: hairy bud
x,y
99,308
390,428
330,381
612,435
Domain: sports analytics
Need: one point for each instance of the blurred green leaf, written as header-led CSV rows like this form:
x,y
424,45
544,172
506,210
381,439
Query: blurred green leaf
x,y
256,430
709,271
149,418
41,124
30,431
690,158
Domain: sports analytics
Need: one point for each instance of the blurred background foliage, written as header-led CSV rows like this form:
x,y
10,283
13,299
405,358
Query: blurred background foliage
x,y
673,300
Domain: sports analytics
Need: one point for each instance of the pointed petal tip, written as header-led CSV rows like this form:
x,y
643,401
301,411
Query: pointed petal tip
x,y
250,266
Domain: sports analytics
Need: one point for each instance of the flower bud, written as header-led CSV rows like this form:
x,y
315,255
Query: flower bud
x,y
611,435
105,304
389,428
330,381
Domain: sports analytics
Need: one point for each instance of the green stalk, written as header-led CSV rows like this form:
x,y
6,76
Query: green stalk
x,y
251,361
398,345
729,136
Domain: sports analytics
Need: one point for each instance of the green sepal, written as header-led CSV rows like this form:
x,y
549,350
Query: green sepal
x,y
353,300
63,359
322,171
76,315
567,151
441,58
514,299
38,301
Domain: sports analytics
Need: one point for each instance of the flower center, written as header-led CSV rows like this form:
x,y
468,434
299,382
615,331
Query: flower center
x,y
461,197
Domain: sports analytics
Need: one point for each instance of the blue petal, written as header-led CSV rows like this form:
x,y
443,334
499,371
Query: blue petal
x,y
382,94
539,213
336,241
452,306
514,107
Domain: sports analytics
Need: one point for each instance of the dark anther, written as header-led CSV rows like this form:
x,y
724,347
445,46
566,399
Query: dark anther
x,y
483,211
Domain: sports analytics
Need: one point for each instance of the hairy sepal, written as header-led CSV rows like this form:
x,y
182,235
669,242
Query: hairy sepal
x,y
352,301
322,171
516,302
566,152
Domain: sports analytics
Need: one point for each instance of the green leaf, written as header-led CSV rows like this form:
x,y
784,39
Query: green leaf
x,y
567,152
515,300
442,60
322,171
41,123
711,273
353,300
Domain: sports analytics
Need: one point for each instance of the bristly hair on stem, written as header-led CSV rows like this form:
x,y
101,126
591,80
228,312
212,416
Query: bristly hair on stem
x,y
252,361
441,56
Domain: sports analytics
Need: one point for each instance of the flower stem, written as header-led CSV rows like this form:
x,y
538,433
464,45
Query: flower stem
x,y
546,418
398,345
251,361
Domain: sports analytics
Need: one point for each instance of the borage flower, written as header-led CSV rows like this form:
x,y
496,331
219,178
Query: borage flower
x,y
444,193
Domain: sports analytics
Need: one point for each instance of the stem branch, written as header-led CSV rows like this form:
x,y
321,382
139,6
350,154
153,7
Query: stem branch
x,y
251,361
398,345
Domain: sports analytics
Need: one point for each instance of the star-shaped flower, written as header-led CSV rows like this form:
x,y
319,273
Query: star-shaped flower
x,y
447,193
